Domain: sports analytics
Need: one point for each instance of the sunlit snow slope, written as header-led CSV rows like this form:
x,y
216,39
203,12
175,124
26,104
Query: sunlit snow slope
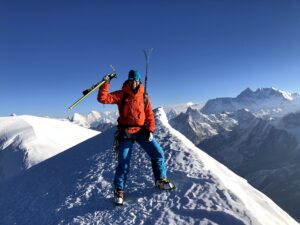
x,y
28,140
74,187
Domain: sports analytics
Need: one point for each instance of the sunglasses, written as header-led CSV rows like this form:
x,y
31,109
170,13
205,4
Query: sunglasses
x,y
131,81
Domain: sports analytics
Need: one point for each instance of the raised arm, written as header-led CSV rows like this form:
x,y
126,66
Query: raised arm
x,y
108,98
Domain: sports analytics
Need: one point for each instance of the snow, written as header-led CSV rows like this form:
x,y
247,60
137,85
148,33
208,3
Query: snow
x,y
175,110
251,144
238,185
35,139
263,101
80,120
94,118
74,187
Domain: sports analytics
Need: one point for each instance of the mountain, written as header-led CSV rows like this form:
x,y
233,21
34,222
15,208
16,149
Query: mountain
x,y
291,122
263,151
198,126
175,110
95,120
270,101
28,140
263,154
74,187
101,121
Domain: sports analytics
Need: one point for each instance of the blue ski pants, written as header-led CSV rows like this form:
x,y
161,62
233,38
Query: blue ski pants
x,y
153,149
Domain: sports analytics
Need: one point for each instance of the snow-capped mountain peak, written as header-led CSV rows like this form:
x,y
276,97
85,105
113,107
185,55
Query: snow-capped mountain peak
x,y
264,93
94,119
263,102
173,111
94,115
80,120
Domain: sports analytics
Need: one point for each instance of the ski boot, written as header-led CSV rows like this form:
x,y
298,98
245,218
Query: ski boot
x,y
164,184
119,196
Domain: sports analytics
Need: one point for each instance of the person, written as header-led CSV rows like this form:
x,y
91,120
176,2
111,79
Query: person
x,y
136,123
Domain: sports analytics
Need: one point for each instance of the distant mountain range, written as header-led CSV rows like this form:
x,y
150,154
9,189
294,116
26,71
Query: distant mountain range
x,y
264,101
101,121
95,120
256,135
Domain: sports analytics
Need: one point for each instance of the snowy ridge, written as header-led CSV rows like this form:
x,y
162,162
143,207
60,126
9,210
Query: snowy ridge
x,y
263,149
28,140
247,194
74,187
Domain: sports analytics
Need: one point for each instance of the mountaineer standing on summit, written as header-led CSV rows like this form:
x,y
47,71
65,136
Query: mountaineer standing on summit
x,y
136,123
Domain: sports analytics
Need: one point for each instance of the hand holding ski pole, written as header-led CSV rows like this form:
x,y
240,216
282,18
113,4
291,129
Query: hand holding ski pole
x,y
107,78
87,92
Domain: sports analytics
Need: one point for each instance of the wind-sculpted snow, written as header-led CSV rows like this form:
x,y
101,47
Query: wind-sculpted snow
x,y
28,140
74,187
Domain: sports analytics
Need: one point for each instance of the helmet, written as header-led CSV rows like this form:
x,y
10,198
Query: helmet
x,y
134,75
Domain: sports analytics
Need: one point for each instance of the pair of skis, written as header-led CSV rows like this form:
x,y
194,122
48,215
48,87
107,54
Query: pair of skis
x,y
112,75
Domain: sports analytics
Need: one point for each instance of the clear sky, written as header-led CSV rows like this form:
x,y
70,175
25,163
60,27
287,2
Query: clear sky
x,y
50,51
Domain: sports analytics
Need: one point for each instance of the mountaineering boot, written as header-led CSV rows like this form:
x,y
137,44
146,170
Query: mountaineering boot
x,y
119,196
164,184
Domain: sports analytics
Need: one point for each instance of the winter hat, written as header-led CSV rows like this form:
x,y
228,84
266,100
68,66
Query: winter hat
x,y
134,75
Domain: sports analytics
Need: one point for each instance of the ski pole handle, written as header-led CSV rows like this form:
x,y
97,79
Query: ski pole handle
x,y
107,78
112,75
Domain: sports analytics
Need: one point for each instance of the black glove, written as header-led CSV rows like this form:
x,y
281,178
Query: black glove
x,y
107,78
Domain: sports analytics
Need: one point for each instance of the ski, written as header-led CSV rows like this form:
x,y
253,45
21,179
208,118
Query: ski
x,y
147,56
89,91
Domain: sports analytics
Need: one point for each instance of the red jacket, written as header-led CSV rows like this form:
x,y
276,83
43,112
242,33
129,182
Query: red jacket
x,y
133,112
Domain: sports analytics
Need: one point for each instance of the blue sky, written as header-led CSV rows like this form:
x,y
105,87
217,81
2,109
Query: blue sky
x,y
50,51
